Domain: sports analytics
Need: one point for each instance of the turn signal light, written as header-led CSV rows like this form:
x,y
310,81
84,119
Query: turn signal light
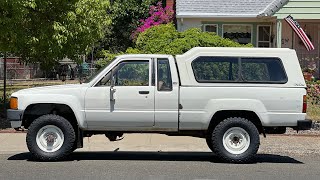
x,y
13,103
304,105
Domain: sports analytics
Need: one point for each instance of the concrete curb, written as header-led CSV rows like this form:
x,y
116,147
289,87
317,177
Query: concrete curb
x,y
11,130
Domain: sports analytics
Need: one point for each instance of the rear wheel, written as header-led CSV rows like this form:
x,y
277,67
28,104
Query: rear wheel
x,y
50,138
235,140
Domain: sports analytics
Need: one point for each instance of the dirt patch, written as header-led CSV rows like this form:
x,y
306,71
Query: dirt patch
x,y
314,131
291,145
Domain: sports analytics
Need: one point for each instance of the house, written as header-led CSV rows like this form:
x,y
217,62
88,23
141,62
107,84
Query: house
x,y
16,69
260,22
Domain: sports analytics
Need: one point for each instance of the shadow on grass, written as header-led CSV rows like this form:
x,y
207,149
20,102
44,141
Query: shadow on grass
x,y
158,156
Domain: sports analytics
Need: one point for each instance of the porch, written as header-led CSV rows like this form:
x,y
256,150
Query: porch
x,y
308,59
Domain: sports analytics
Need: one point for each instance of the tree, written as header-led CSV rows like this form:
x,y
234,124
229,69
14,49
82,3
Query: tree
x,y
45,31
10,15
165,39
125,16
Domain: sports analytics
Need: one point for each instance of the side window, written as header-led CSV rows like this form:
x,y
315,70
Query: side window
x,y
105,81
128,73
164,75
208,69
262,70
132,73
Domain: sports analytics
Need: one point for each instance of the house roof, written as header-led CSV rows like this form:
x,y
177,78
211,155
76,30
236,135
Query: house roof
x,y
227,8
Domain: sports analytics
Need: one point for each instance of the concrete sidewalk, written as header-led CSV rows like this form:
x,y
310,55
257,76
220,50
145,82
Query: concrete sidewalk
x,y
15,142
283,145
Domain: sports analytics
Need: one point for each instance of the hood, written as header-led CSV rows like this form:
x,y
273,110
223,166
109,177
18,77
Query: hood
x,y
63,89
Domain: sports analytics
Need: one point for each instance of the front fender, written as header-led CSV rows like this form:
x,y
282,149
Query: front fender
x,y
72,101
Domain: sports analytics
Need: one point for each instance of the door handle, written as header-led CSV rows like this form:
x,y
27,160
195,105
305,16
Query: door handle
x,y
143,92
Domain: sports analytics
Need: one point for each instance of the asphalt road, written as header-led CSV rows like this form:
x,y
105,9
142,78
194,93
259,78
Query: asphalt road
x,y
157,165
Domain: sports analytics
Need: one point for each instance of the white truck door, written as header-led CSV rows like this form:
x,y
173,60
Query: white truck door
x,y
166,95
128,104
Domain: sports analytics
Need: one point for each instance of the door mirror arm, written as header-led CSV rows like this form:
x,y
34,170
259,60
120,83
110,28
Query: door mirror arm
x,y
112,79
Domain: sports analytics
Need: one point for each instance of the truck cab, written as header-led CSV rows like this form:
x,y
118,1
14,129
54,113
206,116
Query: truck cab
x,y
136,92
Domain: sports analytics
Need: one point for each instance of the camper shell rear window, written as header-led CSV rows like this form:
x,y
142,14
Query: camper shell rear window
x,y
239,69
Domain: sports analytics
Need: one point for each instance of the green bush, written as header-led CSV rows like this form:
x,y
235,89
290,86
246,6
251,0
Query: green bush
x,y
165,39
8,94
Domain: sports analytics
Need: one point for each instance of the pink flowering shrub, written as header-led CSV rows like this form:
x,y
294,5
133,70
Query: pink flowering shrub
x,y
158,15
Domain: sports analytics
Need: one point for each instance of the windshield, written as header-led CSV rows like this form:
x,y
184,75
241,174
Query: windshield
x,y
98,72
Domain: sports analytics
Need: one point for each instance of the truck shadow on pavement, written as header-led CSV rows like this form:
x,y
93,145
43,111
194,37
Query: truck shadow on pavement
x,y
158,156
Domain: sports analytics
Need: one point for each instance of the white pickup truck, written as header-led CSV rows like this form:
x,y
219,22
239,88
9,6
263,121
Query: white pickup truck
x,y
226,95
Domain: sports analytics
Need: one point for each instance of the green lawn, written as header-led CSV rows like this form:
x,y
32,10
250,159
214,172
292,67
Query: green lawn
x,y
17,85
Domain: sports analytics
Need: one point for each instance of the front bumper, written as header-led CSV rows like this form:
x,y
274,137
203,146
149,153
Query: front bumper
x,y
303,125
15,117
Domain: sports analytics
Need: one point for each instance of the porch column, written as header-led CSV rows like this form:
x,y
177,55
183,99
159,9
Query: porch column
x,y
279,33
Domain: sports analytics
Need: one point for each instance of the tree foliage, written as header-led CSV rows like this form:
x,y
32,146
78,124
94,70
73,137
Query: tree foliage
x,y
48,30
125,16
165,39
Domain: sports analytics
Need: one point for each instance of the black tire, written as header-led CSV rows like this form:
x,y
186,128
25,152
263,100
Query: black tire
x,y
209,142
68,133
218,145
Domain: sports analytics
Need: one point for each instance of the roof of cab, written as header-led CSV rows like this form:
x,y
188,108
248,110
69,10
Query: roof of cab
x,y
143,56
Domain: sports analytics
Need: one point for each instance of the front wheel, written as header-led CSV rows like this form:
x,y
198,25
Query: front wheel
x,y
235,140
50,138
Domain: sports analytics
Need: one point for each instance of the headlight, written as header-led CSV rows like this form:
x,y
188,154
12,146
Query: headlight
x,y
13,103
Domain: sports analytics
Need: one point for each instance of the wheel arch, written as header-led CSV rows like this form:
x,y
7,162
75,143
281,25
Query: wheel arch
x,y
36,110
224,114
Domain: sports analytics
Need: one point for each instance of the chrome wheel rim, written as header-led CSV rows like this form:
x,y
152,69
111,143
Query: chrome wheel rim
x,y
236,140
50,138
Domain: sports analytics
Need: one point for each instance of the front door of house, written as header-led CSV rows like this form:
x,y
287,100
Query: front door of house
x,y
264,36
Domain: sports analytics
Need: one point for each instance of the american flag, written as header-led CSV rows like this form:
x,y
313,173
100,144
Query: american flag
x,y
300,32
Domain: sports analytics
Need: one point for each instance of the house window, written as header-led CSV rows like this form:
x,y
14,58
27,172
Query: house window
x,y
264,36
211,28
241,33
